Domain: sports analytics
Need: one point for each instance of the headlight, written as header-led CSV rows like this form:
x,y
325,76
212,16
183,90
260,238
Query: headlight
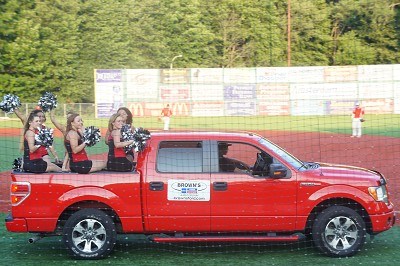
x,y
379,193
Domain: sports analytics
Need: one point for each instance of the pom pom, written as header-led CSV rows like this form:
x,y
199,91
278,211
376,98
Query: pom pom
x,y
17,165
140,137
91,135
127,135
44,137
48,101
10,103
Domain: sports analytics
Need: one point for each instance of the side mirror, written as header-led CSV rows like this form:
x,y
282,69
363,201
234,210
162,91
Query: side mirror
x,y
277,170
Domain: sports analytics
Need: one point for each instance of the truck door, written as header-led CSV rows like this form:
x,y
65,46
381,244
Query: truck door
x,y
177,191
243,201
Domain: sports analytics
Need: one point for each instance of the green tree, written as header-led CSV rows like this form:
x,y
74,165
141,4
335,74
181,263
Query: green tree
x,y
42,55
364,32
310,33
246,32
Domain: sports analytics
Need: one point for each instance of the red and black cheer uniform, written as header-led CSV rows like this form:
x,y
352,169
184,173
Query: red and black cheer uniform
x,y
33,162
117,160
78,162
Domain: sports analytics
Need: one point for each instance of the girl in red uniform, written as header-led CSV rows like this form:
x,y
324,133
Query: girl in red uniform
x,y
42,118
79,161
118,160
33,154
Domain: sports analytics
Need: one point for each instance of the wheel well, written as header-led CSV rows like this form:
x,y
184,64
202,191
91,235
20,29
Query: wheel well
x,y
338,202
88,205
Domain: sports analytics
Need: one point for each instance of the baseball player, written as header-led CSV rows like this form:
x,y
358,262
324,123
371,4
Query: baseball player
x,y
357,118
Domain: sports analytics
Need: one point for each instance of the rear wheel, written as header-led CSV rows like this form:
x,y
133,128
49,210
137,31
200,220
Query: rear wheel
x,y
339,231
89,234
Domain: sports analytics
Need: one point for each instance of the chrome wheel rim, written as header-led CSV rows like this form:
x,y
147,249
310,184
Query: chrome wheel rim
x,y
341,233
89,235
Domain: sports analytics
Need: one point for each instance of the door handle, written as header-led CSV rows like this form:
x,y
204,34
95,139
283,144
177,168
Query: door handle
x,y
156,186
220,186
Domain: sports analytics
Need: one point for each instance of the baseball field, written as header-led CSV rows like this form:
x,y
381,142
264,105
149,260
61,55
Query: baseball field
x,y
321,139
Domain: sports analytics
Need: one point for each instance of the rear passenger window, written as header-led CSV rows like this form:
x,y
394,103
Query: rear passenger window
x,y
180,157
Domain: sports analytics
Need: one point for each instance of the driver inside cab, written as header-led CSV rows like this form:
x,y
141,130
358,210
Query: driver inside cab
x,y
227,164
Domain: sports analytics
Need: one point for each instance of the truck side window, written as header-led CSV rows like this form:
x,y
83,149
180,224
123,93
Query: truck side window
x,y
180,157
236,157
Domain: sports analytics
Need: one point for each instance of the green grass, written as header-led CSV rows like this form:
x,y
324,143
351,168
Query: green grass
x,y
385,125
133,250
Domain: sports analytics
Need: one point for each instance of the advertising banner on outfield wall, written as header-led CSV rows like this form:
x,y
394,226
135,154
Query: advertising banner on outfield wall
x,y
154,108
206,76
375,73
378,106
239,108
210,92
174,92
240,92
309,107
289,75
108,91
142,84
208,109
239,75
250,91
175,75
323,91
377,90
340,73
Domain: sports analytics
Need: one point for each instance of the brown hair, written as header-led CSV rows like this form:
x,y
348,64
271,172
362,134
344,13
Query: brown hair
x,y
111,121
129,119
70,119
31,116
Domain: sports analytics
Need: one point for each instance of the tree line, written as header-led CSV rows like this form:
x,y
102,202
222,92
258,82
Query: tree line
x,y
48,44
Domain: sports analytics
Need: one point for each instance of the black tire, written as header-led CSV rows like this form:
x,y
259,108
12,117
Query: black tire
x,y
89,234
339,231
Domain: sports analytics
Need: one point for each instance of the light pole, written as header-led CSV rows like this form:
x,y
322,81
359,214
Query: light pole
x,y
173,59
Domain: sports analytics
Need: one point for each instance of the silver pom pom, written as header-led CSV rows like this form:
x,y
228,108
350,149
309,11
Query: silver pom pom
x,y
48,101
140,137
91,135
44,137
127,135
17,165
10,103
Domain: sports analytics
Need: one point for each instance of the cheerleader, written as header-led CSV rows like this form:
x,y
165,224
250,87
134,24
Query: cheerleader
x,y
63,129
118,160
127,119
39,113
34,152
75,146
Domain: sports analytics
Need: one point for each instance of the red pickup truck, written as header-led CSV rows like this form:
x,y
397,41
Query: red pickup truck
x,y
206,186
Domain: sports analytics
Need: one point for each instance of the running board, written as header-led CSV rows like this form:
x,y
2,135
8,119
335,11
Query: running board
x,y
292,238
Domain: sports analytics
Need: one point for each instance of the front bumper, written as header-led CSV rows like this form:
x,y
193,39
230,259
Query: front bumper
x,y
17,225
382,222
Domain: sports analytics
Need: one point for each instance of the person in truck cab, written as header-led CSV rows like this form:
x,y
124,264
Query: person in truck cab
x,y
227,164
34,152
75,146
117,157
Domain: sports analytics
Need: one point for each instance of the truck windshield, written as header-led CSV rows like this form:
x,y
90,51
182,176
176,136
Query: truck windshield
x,y
289,158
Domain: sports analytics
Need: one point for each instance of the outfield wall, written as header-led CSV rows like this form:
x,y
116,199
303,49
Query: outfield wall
x,y
320,90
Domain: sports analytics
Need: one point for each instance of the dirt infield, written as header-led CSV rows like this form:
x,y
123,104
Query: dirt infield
x,y
373,152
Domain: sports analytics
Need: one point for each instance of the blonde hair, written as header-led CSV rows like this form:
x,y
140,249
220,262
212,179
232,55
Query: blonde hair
x,y
111,121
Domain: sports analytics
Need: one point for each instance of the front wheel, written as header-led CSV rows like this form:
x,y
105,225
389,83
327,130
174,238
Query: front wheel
x,y
89,234
339,231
